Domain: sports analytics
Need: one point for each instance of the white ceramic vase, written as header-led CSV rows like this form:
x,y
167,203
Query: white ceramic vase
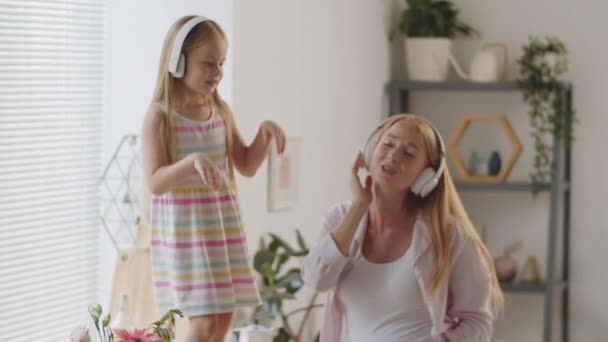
x,y
427,58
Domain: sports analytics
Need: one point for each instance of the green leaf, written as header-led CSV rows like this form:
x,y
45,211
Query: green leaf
x,y
274,246
279,261
295,283
281,243
106,320
301,241
262,257
426,18
292,282
266,271
288,279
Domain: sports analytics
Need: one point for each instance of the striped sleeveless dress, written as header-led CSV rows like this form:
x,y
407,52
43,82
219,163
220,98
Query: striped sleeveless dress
x,y
200,261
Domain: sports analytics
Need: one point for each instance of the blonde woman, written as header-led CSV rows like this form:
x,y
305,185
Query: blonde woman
x,y
401,260
191,146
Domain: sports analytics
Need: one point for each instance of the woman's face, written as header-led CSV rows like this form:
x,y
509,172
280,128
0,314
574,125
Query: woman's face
x,y
400,156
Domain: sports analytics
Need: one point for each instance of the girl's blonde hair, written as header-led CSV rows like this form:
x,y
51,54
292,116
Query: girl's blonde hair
x,y
200,35
441,209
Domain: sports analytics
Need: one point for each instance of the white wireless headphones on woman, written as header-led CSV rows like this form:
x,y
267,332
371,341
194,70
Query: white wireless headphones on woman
x,y
427,180
177,60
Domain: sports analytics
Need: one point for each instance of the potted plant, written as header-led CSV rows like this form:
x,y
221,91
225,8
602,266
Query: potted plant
x,y
279,284
541,66
429,27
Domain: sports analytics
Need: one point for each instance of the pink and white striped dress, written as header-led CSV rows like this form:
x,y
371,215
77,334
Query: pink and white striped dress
x,y
200,261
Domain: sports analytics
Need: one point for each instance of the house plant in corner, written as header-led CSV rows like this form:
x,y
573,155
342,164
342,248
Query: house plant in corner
x,y
429,27
541,66
280,284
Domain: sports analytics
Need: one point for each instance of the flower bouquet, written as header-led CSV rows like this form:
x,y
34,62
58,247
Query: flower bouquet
x,y
159,331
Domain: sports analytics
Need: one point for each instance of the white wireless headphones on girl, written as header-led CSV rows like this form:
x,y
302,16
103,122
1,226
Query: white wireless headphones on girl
x,y
427,180
177,60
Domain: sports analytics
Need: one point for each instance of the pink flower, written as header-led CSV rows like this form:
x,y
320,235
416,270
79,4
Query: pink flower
x,y
137,335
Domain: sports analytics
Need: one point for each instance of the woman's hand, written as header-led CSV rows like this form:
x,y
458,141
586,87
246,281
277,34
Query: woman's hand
x,y
362,194
209,172
270,130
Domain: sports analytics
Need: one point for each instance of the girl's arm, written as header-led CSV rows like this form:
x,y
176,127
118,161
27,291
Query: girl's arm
x,y
162,176
469,283
247,159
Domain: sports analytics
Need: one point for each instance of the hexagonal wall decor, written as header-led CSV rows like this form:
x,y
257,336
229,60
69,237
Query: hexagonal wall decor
x,y
461,168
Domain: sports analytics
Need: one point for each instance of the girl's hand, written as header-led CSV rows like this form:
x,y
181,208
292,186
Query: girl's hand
x,y
362,194
270,130
209,172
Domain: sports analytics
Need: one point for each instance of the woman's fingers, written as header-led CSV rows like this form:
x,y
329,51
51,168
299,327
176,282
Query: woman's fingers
x,y
368,183
357,163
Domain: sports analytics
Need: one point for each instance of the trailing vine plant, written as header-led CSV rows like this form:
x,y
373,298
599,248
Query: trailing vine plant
x,y
542,63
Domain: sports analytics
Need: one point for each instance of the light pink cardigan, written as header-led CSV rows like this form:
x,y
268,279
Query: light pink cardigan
x,y
468,318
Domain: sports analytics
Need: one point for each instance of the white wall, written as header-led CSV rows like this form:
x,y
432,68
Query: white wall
x,y
134,36
324,79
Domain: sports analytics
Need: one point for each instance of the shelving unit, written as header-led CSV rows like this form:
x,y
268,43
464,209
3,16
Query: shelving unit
x,y
558,189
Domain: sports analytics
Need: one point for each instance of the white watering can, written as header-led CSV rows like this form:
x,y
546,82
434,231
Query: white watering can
x,y
485,65
255,333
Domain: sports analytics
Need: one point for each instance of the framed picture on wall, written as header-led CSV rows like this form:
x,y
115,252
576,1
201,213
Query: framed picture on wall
x,y
283,176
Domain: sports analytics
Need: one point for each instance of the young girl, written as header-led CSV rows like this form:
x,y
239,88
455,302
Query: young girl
x,y
191,147
401,261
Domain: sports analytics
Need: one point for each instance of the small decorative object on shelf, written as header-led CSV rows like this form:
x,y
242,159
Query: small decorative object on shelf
x,y
485,176
540,67
485,65
494,164
530,271
474,163
506,267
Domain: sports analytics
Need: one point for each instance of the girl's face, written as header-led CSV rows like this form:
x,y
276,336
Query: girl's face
x,y
204,66
400,156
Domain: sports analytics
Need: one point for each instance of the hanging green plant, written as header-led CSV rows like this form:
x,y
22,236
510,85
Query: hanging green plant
x,y
540,67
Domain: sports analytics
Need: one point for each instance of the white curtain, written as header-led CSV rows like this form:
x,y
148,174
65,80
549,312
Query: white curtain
x,y
51,92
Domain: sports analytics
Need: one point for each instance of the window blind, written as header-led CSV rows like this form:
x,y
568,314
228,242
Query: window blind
x,y
51,92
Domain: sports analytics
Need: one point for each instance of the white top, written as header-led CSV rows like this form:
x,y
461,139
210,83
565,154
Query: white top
x,y
384,303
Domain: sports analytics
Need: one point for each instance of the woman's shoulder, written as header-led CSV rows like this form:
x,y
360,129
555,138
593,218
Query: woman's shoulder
x,y
335,213
460,237
457,232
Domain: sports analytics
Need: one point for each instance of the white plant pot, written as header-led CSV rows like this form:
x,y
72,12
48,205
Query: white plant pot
x,y
427,58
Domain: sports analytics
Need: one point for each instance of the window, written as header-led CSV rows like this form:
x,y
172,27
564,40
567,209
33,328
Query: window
x,y
51,92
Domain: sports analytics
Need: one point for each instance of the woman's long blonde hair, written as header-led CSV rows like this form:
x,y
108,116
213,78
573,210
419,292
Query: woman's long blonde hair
x,y
441,209
201,34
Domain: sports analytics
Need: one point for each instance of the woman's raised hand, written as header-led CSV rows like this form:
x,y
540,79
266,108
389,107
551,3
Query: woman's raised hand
x,y
362,193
